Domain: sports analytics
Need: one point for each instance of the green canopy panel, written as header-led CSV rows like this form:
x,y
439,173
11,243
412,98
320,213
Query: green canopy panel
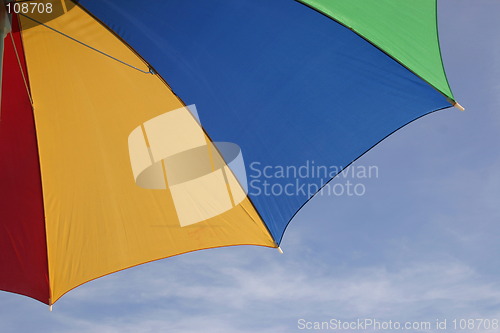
x,y
405,30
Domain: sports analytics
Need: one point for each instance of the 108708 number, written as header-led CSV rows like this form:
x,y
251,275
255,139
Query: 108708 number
x,y
476,324
29,8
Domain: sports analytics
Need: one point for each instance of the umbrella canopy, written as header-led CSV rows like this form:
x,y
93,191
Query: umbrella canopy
x,y
106,162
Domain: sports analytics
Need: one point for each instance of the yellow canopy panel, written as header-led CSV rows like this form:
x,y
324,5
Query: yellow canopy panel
x,y
106,133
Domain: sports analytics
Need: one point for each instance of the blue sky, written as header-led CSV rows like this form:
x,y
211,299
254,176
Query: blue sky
x,y
421,244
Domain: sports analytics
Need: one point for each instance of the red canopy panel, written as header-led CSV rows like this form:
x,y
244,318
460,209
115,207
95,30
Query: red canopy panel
x,y
23,249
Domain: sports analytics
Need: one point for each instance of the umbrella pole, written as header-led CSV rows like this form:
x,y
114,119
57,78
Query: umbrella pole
x,y
4,30
280,250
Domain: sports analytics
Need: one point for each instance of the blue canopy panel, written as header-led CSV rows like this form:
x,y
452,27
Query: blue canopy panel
x,y
287,84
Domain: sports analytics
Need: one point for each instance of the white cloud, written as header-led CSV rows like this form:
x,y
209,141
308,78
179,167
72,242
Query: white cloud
x,y
246,292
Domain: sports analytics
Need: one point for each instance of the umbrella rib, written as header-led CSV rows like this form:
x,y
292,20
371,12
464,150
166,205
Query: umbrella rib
x,y
21,68
90,47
